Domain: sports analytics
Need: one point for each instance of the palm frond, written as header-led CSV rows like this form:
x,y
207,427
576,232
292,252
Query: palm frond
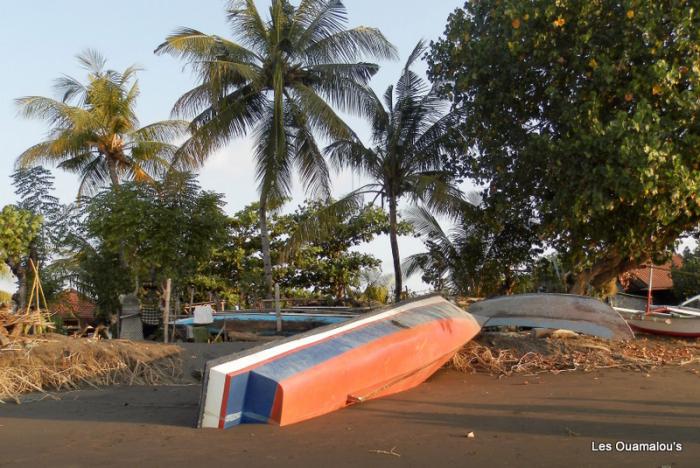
x,y
92,60
238,113
322,225
320,115
273,156
414,264
199,48
163,131
350,45
70,88
308,158
318,19
247,24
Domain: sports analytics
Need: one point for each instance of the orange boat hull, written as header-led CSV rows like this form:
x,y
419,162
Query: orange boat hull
x,y
375,355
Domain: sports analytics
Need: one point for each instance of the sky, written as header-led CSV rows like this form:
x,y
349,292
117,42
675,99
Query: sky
x,y
41,38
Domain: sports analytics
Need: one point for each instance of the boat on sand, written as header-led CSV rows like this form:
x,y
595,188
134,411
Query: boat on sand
x,y
682,320
581,314
307,375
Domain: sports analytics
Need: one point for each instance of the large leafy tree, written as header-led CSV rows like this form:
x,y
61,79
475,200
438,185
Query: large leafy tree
x,y
405,160
584,115
94,131
280,81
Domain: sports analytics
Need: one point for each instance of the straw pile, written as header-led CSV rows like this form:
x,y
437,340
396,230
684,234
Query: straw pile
x,y
15,328
521,353
56,362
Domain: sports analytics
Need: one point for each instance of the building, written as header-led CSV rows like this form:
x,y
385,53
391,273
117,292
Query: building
x,y
75,310
635,285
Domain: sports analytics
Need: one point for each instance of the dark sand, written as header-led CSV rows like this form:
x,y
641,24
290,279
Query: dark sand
x,y
517,421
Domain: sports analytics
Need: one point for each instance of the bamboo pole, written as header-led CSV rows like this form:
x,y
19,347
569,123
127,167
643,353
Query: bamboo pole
x,y
166,312
649,297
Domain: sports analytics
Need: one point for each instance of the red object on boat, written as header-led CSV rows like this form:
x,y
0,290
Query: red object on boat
x,y
374,355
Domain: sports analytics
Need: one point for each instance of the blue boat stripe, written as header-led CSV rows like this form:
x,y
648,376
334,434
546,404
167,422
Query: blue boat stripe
x,y
285,367
262,383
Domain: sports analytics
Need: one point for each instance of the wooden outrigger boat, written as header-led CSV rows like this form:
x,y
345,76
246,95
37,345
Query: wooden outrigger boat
x,y
681,321
374,355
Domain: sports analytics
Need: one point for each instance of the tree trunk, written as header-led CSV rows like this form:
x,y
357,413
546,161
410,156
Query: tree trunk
x,y
112,168
393,237
20,271
21,274
265,241
601,274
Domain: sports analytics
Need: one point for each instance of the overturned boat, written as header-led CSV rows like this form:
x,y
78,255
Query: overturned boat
x,y
374,355
581,314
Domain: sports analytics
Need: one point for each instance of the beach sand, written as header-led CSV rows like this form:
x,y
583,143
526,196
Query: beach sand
x,y
551,420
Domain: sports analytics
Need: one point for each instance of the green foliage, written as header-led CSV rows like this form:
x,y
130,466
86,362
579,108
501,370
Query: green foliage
x,y
584,116
165,229
93,129
34,188
18,228
546,275
321,268
482,255
376,286
328,265
84,263
686,279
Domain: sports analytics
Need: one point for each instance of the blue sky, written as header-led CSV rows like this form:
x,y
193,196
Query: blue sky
x,y
41,38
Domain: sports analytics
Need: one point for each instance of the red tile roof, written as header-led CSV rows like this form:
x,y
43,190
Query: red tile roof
x,y
660,278
71,303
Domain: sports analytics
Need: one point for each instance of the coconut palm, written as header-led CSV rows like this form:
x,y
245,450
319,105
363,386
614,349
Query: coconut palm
x,y
280,80
94,131
409,136
481,254
444,264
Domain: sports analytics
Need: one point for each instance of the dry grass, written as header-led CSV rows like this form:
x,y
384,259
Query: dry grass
x,y
520,353
16,327
56,362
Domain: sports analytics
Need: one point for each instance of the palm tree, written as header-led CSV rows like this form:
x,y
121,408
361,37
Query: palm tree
x,y
279,80
409,139
445,264
482,254
94,131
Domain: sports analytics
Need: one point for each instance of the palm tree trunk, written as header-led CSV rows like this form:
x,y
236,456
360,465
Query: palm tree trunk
x,y
265,241
112,168
393,237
